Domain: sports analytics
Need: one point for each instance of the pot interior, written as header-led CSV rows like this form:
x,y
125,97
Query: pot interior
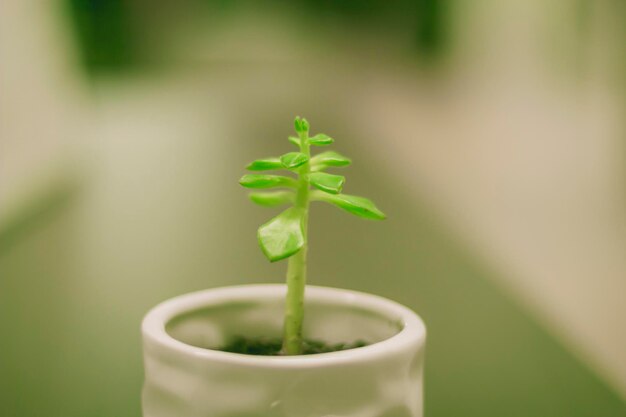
x,y
341,320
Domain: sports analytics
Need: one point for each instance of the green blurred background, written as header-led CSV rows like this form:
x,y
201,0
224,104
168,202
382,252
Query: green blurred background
x,y
492,133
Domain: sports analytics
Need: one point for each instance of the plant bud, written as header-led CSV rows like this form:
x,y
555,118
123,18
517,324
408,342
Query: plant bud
x,y
301,125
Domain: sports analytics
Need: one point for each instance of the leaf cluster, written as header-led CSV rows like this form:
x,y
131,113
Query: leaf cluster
x,y
306,180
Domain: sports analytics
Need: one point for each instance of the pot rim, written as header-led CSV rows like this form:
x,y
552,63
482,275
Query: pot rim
x,y
412,335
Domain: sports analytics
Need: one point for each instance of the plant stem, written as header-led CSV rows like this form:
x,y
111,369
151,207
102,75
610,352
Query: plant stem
x,y
296,270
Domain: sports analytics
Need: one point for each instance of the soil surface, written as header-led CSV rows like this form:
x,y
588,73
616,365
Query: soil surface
x,y
264,346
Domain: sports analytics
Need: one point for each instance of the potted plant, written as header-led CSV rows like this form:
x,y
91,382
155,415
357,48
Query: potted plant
x,y
252,351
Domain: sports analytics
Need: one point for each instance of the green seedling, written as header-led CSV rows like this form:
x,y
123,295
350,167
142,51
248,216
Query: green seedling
x,y
285,236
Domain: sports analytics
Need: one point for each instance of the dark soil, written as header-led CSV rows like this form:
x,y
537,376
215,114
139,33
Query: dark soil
x,y
263,346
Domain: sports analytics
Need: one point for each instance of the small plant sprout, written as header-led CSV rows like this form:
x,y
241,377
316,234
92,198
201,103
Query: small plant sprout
x,y
285,236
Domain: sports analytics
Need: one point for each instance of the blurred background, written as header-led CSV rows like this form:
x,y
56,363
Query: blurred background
x,y
492,133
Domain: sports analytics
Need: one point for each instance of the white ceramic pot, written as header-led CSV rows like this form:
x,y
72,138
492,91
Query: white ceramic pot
x,y
185,376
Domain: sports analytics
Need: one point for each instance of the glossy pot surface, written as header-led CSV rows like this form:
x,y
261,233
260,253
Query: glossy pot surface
x,y
186,376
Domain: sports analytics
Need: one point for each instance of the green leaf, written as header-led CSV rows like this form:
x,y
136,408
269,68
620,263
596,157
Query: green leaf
x,y
321,140
293,160
282,236
301,124
265,164
273,198
328,159
328,183
266,181
294,140
359,206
